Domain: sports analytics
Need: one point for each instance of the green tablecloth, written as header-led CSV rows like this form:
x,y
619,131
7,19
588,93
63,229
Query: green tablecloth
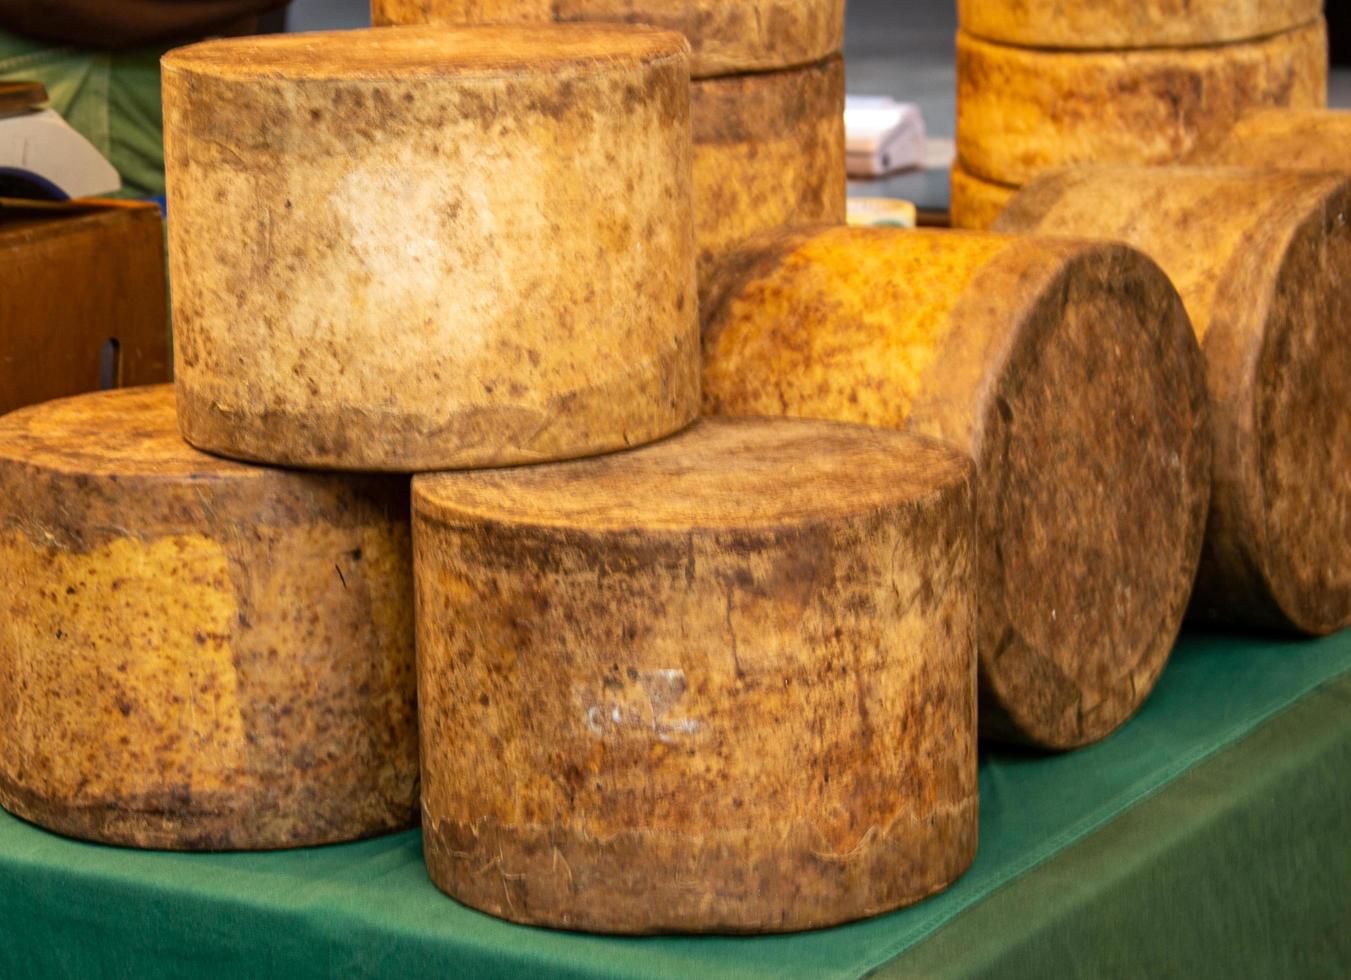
x,y
1211,835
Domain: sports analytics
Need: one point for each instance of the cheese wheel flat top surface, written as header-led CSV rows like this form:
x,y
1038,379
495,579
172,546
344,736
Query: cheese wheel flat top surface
x,y
718,473
1131,23
430,52
726,36
128,432
1022,111
1067,370
1260,258
1285,139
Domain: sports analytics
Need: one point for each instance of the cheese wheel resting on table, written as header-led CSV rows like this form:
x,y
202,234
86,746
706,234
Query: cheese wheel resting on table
x,y
975,203
1131,23
1067,370
1022,111
726,38
1261,261
198,654
402,249
722,683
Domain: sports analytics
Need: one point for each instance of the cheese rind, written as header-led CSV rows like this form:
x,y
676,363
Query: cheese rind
x,y
725,37
1260,259
975,202
745,652
1285,139
768,154
198,654
1020,112
401,249
1131,23
1091,448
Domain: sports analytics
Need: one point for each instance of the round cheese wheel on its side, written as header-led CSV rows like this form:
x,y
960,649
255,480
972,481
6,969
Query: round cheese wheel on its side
x,y
402,249
1114,24
1286,139
198,654
1067,370
1020,112
768,154
976,203
726,37
1261,260
722,683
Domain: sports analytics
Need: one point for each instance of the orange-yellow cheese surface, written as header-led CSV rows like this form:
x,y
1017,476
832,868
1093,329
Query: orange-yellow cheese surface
x,y
402,249
1286,139
976,203
725,682
1067,370
768,154
1021,111
198,654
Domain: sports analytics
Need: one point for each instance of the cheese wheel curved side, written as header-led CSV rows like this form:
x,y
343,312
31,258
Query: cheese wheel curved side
x,y
976,203
197,654
725,38
1126,24
1020,112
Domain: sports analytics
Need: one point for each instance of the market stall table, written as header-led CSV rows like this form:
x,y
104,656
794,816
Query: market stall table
x,y
1208,836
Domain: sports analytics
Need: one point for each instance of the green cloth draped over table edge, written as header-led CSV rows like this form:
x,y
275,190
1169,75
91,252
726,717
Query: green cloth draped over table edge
x,y
112,98
1209,836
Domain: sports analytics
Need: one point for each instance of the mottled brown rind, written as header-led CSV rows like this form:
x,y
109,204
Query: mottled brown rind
x,y
1115,24
1261,260
1070,374
768,154
683,704
975,202
1285,139
725,37
198,654
365,249
1020,111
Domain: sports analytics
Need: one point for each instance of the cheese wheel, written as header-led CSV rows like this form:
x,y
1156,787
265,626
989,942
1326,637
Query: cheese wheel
x,y
198,654
1020,112
402,249
975,203
1286,139
768,154
1261,260
1069,373
722,683
726,36
1131,23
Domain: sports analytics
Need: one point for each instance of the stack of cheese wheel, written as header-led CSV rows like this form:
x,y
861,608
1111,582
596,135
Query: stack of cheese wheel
x,y
1067,370
1261,260
1042,86
198,653
724,683
403,249
767,104
392,250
